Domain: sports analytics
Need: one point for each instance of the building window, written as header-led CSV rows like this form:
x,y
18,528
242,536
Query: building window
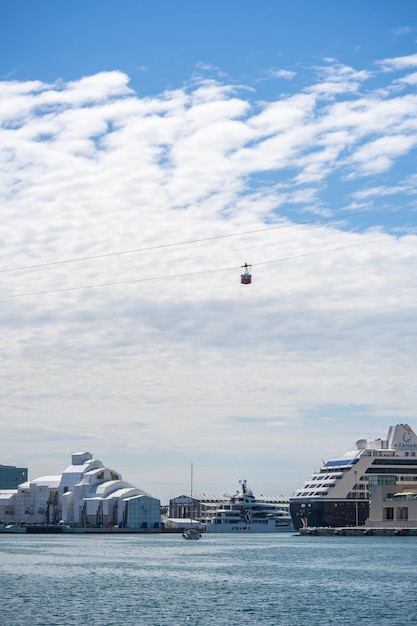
x,y
402,513
388,513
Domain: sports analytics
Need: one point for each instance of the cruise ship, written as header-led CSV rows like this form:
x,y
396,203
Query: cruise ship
x,y
338,494
243,513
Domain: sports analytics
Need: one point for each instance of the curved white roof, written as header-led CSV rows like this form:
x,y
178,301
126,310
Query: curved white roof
x,y
73,474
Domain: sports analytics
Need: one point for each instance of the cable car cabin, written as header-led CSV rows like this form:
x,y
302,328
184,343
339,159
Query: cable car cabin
x,y
246,278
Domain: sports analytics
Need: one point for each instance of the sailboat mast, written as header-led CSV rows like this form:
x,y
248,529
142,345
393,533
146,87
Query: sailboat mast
x,y
191,490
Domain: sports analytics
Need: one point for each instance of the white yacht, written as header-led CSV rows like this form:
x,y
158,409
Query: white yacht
x,y
338,494
243,513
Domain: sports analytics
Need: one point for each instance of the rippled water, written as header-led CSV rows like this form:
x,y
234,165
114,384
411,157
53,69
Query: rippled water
x,y
220,580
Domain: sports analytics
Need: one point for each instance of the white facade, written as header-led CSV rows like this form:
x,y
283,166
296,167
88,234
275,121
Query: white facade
x,y
393,506
86,494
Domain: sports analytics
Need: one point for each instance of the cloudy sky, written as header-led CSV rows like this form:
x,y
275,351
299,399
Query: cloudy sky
x,y
147,152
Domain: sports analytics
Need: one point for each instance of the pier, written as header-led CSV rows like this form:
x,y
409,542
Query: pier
x,y
357,531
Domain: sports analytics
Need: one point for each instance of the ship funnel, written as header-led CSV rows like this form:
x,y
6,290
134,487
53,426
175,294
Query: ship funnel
x,y
403,439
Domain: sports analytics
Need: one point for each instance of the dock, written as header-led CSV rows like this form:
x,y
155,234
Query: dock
x,y
357,531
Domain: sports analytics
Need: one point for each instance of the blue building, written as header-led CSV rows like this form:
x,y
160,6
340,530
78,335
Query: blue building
x,y
11,476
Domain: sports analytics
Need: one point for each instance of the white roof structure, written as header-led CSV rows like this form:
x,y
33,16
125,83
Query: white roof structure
x,y
45,481
6,495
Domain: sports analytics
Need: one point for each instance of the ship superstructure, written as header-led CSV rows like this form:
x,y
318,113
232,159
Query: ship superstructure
x,y
244,513
338,494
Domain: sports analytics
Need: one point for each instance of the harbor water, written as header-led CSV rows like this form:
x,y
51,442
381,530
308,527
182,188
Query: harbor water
x,y
219,580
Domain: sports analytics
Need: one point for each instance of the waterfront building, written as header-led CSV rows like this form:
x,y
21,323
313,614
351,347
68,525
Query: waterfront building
x,y
393,506
86,494
393,502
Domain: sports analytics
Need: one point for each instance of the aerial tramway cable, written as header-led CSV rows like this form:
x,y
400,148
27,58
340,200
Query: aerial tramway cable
x,y
321,222
194,273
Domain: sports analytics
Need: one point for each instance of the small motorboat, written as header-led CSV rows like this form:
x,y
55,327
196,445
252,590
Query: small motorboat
x,y
13,528
191,533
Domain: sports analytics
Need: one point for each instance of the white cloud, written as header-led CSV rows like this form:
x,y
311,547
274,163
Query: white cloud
x,y
336,78
404,30
381,191
280,73
399,63
379,155
411,79
164,198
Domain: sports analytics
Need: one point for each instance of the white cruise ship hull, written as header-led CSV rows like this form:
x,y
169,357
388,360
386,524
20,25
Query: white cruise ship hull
x,y
254,527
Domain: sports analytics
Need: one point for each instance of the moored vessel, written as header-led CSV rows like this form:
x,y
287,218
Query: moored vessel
x,y
244,513
338,494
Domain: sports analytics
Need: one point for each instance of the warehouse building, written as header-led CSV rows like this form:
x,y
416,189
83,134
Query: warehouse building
x,y
86,494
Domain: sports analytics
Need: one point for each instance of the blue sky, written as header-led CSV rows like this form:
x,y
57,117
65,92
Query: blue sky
x,y
159,44
147,151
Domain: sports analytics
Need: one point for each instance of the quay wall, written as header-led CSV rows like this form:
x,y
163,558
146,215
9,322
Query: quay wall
x,y
358,531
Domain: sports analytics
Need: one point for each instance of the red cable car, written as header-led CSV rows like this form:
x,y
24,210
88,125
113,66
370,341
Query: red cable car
x,y
246,277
